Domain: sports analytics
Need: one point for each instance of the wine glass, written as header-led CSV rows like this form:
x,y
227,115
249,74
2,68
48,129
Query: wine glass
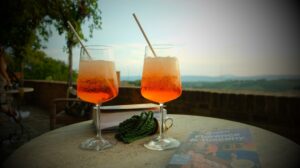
x,y
161,83
97,83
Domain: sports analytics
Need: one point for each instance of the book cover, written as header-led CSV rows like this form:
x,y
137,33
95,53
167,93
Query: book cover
x,y
223,148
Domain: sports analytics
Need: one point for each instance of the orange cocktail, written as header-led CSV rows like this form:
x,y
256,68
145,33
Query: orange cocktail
x,y
95,83
161,83
161,79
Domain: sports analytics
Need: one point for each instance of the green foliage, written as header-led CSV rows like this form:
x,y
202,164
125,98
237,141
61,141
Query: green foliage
x,y
39,66
25,22
77,12
135,83
20,19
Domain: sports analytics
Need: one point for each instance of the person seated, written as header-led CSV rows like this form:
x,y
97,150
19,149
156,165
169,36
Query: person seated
x,y
5,84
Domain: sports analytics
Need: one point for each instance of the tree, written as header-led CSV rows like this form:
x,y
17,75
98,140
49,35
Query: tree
x,y
39,66
24,23
77,12
20,22
20,19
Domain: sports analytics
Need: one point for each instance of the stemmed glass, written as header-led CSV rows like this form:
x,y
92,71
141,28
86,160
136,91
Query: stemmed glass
x,y
161,83
97,83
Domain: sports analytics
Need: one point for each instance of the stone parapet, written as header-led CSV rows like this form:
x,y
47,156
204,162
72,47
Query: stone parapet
x,y
279,114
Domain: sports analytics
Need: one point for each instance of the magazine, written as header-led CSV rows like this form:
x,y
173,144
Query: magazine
x,y
223,148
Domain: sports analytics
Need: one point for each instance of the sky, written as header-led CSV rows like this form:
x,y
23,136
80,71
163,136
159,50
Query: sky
x,y
215,37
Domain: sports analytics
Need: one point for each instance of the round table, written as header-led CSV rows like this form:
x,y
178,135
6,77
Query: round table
x,y
19,93
60,147
19,90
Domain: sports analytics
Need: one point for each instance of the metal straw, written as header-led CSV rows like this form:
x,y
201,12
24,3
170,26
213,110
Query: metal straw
x,y
149,44
77,36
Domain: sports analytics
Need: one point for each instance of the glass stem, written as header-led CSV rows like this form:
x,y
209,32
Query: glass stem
x,y
98,121
161,129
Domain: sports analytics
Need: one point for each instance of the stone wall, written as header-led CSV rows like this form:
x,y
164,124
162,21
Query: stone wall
x,y
276,113
45,92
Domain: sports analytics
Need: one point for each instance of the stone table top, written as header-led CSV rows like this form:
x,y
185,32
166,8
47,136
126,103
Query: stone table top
x,y
60,148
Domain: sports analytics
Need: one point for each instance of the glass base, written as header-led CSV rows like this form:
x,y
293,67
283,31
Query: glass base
x,y
96,143
162,143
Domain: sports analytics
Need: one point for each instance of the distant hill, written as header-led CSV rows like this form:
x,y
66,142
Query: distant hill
x,y
276,85
192,78
269,84
130,78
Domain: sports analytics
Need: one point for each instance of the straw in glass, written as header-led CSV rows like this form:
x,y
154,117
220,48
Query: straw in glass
x,y
141,28
77,36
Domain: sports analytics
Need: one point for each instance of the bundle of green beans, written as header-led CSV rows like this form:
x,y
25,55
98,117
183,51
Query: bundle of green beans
x,y
136,127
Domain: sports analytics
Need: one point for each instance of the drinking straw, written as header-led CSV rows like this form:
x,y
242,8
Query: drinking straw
x,y
77,36
149,44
